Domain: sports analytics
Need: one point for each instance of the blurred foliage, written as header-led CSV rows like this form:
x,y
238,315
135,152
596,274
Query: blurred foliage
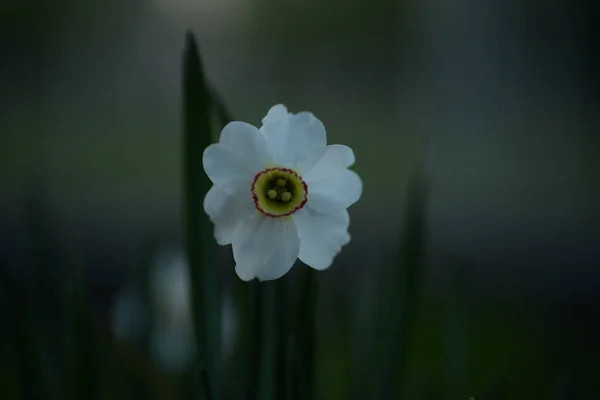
x,y
459,344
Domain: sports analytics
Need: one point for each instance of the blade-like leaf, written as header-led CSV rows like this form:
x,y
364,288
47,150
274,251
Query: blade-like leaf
x,y
200,244
455,332
406,281
33,383
82,373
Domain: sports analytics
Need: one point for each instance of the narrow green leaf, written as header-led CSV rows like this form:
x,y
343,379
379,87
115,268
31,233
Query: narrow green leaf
x,y
144,282
86,369
82,371
28,362
455,333
200,243
196,382
406,281
43,300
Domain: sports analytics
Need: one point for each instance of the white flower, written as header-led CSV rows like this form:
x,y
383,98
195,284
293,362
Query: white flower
x,y
280,193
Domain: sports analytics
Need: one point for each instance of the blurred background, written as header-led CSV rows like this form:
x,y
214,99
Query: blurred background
x,y
500,96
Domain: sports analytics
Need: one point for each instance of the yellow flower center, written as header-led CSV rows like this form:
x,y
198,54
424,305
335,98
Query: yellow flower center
x,y
279,192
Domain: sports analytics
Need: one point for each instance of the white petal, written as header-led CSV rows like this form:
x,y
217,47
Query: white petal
x,y
338,190
307,160
277,112
291,137
226,170
321,236
226,212
246,142
240,154
313,130
334,157
265,248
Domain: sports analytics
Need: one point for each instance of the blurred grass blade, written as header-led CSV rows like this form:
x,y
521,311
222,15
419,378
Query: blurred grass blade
x,y
44,261
82,367
406,280
139,368
33,383
304,339
455,334
84,371
200,244
196,382
144,281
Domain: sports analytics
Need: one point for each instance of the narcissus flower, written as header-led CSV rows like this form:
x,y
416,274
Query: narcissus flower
x,y
280,193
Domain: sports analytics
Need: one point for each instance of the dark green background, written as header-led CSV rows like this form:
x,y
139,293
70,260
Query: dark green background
x,y
504,93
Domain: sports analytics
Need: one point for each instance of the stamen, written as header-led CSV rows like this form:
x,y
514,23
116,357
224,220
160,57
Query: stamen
x,y
286,196
272,194
281,183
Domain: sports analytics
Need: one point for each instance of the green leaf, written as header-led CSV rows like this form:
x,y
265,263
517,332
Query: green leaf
x,y
406,282
82,372
200,243
455,333
33,384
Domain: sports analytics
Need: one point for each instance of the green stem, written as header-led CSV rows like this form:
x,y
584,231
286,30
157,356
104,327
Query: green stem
x,y
303,355
268,363
256,316
270,342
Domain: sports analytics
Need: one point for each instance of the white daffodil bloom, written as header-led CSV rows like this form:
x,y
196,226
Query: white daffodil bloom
x,y
280,193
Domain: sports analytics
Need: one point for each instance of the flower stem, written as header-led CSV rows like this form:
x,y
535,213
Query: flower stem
x,y
268,368
304,339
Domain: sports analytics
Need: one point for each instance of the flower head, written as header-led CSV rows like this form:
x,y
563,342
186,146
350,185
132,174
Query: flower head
x,y
280,193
